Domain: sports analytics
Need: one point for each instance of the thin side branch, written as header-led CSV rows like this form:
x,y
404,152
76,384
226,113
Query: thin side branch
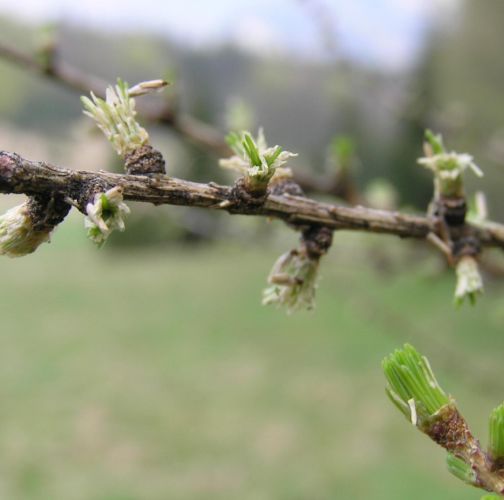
x,y
18,175
196,131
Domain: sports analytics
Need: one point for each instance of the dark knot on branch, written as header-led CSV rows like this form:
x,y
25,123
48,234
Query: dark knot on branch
x,y
245,198
317,241
452,209
285,185
144,160
467,245
47,211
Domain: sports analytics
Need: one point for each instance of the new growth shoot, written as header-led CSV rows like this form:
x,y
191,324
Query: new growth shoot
x,y
414,390
293,282
257,162
105,215
412,386
18,235
448,167
115,115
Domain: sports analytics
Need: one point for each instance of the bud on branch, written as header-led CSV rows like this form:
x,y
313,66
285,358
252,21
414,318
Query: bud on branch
x,y
414,390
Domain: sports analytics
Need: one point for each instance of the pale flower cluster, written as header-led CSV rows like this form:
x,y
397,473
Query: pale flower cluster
x,y
115,116
17,235
448,169
293,281
469,280
105,215
450,165
254,159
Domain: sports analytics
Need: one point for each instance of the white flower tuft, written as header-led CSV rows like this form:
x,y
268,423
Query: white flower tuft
x,y
254,159
450,165
115,117
105,215
17,234
293,281
469,280
448,169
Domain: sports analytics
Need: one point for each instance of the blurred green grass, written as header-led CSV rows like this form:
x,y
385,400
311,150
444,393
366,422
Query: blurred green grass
x,y
156,374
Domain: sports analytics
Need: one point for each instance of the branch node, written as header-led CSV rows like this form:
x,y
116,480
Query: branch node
x,y
242,196
144,160
452,209
466,246
47,211
317,240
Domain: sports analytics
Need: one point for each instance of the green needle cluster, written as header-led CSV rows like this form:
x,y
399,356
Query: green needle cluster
x,y
496,434
412,386
460,469
254,159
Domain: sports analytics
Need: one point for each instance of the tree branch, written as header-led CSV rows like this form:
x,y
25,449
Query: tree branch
x,y
194,130
18,175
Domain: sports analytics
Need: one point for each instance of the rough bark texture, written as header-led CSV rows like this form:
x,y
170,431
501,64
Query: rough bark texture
x,y
317,241
18,175
449,429
47,211
144,161
203,135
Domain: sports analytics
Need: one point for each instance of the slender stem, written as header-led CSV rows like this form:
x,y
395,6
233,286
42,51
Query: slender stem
x,y
198,132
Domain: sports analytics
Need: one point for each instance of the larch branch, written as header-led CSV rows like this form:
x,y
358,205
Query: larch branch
x,y
202,134
19,175
196,131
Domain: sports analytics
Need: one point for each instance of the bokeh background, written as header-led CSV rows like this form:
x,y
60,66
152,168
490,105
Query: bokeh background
x,y
148,369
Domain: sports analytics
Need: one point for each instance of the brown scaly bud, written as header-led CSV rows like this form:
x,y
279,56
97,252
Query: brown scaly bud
x,y
317,240
144,160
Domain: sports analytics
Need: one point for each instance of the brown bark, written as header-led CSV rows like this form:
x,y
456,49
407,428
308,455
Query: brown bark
x,y
18,175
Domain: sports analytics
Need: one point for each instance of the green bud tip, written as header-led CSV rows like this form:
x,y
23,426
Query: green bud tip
x,y
343,149
469,281
412,386
460,469
496,434
105,214
447,167
435,142
254,159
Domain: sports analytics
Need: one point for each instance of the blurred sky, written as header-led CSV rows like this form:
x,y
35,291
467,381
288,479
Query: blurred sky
x,y
385,33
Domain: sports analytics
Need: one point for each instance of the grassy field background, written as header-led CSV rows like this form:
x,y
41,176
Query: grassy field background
x,y
156,374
